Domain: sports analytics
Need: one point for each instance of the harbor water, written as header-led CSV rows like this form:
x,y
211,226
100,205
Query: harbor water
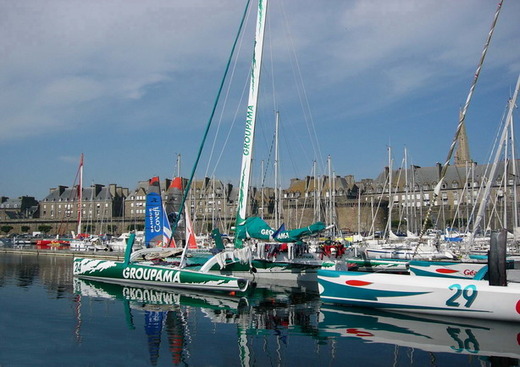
x,y
50,318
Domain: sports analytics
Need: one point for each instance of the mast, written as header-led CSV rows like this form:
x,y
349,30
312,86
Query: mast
x,y
513,159
80,193
247,151
276,170
462,118
178,165
329,203
498,152
390,198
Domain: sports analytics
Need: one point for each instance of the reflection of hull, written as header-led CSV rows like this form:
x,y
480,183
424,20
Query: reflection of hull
x,y
153,297
157,298
274,312
429,333
155,275
442,296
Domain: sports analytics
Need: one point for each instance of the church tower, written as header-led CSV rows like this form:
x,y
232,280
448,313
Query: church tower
x,y
462,155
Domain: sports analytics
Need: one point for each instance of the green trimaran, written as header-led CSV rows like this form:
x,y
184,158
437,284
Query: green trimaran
x,y
252,257
259,251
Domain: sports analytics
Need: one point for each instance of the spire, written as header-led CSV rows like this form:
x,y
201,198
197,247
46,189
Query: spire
x,y
462,155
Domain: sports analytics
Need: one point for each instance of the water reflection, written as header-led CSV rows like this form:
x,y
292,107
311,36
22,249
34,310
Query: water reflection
x,y
428,333
272,325
54,272
275,310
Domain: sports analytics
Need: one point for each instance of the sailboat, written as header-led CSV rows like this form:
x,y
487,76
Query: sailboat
x,y
148,266
259,250
150,273
473,298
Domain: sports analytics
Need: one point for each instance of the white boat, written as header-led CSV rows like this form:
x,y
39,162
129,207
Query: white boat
x,y
406,251
118,244
90,243
429,295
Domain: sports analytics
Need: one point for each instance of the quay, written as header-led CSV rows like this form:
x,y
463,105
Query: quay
x,y
93,254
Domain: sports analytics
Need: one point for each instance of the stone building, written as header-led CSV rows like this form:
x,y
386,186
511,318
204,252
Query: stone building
x,y
334,201
23,207
100,204
459,198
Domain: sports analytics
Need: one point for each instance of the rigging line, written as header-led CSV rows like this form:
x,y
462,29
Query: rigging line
x,y
302,94
187,189
221,117
487,168
462,118
237,111
275,105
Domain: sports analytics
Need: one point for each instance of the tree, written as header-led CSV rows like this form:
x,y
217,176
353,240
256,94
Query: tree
x,y
136,227
111,228
45,228
89,228
25,229
6,228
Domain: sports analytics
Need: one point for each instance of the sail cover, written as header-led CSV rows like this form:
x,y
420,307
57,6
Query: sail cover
x,y
257,228
157,227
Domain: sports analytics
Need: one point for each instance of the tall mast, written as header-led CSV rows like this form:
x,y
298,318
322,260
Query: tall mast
x,y
513,160
247,150
462,118
178,165
491,177
80,192
390,198
276,170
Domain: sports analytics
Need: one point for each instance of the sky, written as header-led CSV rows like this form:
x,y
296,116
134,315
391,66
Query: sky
x,y
132,85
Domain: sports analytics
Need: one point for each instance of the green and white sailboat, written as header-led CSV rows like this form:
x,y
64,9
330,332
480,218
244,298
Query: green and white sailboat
x,y
148,267
261,252
149,273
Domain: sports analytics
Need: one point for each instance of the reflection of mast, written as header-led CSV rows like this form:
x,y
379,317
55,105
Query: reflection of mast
x,y
77,309
245,354
175,333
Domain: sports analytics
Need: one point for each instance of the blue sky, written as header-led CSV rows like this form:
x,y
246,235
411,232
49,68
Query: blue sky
x,y
131,85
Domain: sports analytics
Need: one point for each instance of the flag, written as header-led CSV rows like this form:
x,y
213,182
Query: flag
x,y
190,236
279,230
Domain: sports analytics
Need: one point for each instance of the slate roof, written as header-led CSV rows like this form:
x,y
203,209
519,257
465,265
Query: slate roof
x,y
428,177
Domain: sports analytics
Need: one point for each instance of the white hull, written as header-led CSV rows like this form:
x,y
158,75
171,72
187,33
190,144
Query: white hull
x,y
430,295
464,270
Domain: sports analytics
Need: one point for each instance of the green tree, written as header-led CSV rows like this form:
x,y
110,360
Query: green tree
x,y
111,228
6,228
25,229
135,227
45,228
89,228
